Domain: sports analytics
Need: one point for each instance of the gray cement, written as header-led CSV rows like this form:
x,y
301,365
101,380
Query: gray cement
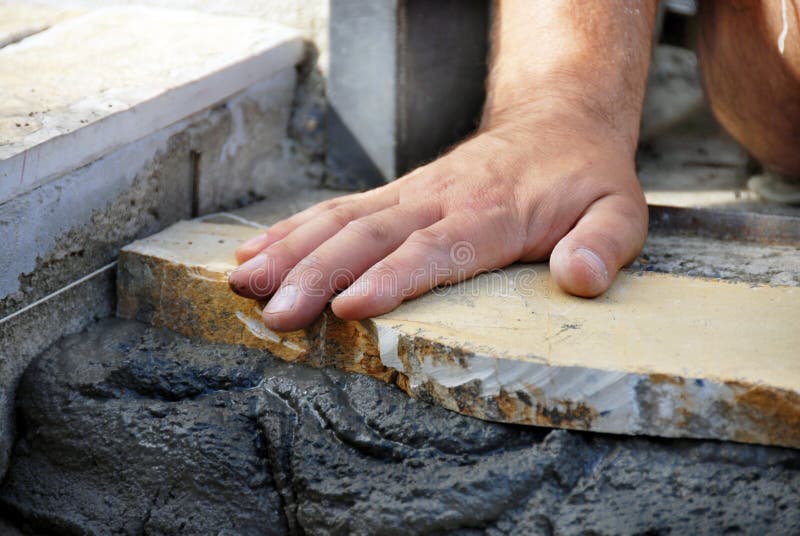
x,y
720,259
220,158
127,429
25,336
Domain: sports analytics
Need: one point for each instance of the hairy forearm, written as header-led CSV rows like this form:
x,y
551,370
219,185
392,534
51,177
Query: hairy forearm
x,y
587,57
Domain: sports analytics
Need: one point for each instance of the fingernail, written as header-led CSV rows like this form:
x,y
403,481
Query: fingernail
x,y
282,301
255,241
259,261
595,264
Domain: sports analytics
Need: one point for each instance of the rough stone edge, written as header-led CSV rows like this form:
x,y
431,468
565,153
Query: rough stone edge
x,y
649,404
460,379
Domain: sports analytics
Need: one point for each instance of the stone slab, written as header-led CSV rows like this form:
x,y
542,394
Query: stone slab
x,y
657,355
84,87
308,16
19,21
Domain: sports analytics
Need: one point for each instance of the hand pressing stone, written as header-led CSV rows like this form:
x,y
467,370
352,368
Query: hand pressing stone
x,y
549,173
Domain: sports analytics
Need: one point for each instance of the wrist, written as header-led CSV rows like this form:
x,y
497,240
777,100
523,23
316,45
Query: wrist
x,y
568,114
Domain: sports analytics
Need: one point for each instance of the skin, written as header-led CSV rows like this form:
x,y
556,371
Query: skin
x,y
760,105
549,174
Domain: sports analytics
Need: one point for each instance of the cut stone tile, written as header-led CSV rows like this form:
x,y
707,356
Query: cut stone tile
x,y
19,21
84,87
657,355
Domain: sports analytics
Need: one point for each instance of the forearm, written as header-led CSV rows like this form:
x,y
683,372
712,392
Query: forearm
x,y
588,57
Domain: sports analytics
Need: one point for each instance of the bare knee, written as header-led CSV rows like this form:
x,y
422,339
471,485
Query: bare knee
x,y
750,60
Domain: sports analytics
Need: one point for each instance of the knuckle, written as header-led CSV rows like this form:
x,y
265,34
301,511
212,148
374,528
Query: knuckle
x,y
429,239
342,214
309,273
283,227
330,204
390,266
434,185
310,263
370,228
280,250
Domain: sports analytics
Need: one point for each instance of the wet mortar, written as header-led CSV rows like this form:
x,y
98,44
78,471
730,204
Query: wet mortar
x,y
128,429
720,259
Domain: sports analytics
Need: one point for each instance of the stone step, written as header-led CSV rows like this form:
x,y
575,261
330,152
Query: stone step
x,y
113,125
124,95
19,21
659,354
87,86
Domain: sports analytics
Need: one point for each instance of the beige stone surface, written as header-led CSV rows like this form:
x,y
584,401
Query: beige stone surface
x,y
310,17
20,21
658,354
94,83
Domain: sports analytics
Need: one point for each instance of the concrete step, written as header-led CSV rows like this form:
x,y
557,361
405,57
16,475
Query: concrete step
x,y
659,354
19,21
87,86
113,125
102,106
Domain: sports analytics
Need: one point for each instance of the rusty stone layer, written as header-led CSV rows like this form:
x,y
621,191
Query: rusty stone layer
x,y
200,305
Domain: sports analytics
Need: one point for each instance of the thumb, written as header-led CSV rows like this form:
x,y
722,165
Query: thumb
x,y
609,235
